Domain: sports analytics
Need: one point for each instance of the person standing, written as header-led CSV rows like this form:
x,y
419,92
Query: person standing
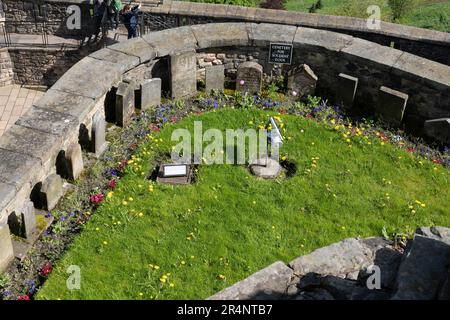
x,y
114,8
99,11
130,18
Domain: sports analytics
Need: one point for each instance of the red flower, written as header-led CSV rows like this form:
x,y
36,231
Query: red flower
x,y
97,198
282,110
25,297
173,119
154,127
46,269
437,161
309,116
112,184
411,150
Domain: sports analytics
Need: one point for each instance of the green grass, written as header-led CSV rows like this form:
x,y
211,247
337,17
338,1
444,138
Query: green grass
x,y
429,14
238,224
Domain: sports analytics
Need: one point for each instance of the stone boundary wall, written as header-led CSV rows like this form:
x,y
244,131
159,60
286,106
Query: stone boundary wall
x,y
62,119
6,68
433,45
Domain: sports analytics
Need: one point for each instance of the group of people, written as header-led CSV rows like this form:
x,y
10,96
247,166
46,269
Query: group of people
x,y
110,12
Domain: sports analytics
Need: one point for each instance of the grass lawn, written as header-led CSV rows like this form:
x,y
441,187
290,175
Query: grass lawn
x,y
431,14
150,241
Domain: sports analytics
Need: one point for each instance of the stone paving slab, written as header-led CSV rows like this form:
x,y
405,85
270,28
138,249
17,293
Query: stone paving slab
x,y
14,102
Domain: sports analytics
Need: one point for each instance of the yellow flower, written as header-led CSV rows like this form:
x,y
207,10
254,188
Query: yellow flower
x,y
163,280
97,229
221,277
105,243
140,214
183,262
130,199
171,285
156,267
110,194
124,202
141,294
283,158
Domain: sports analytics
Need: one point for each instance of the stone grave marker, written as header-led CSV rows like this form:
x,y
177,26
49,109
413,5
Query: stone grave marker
x,y
124,103
51,191
74,158
6,248
391,105
99,143
215,78
150,93
28,220
249,77
346,92
183,70
301,81
438,129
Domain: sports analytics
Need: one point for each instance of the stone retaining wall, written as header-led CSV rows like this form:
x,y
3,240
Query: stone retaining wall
x,y
62,119
430,44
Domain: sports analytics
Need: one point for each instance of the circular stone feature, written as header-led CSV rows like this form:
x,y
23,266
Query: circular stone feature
x,y
266,168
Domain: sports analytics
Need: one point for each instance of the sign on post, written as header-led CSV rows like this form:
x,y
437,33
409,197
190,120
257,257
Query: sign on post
x,y
280,53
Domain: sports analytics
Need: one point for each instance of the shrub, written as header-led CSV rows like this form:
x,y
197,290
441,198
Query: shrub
x,y
273,4
400,7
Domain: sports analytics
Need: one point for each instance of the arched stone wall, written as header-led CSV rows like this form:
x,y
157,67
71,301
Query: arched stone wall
x,y
29,150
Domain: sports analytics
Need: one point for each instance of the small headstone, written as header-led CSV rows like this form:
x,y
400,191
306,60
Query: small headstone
x,y
175,174
51,191
249,77
6,248
124,103
215,78
183,69
438,129
28,220
391,105
74,158
99,142
150,93
266,168
301,81
346,92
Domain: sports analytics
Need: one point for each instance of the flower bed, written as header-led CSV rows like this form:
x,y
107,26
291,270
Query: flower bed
x,y
153,241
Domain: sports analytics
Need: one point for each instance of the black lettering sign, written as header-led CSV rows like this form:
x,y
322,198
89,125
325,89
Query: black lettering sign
x,y
280,53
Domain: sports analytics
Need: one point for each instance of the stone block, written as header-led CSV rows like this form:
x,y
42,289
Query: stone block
x,y
99,142
221,34
338,259
48,121
63,102
268,283
423,270
90,78
124,103
347,86
124,61
136,47
215,78
74,158
261,35
438,129
301,81
249,77
183,68
30,142
437,233
6,248
7,193
266,168
51,191
18,169
169,41
391,106
150,93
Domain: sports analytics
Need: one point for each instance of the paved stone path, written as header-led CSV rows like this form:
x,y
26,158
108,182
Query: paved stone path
x,y
15,100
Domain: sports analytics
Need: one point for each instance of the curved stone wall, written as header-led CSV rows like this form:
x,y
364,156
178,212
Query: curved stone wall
x,y
430,44
60,123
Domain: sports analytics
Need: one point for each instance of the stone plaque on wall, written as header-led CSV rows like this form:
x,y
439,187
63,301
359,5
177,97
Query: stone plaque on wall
x,y
124,103
249,77
183,69
391,105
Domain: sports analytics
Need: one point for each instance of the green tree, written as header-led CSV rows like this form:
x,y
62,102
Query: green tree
x,y
400,7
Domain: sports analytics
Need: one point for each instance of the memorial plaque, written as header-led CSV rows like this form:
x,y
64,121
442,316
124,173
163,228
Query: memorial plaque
x,y
280,53
249,77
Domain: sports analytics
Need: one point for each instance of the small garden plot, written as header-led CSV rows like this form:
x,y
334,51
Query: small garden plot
x,y
158,241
